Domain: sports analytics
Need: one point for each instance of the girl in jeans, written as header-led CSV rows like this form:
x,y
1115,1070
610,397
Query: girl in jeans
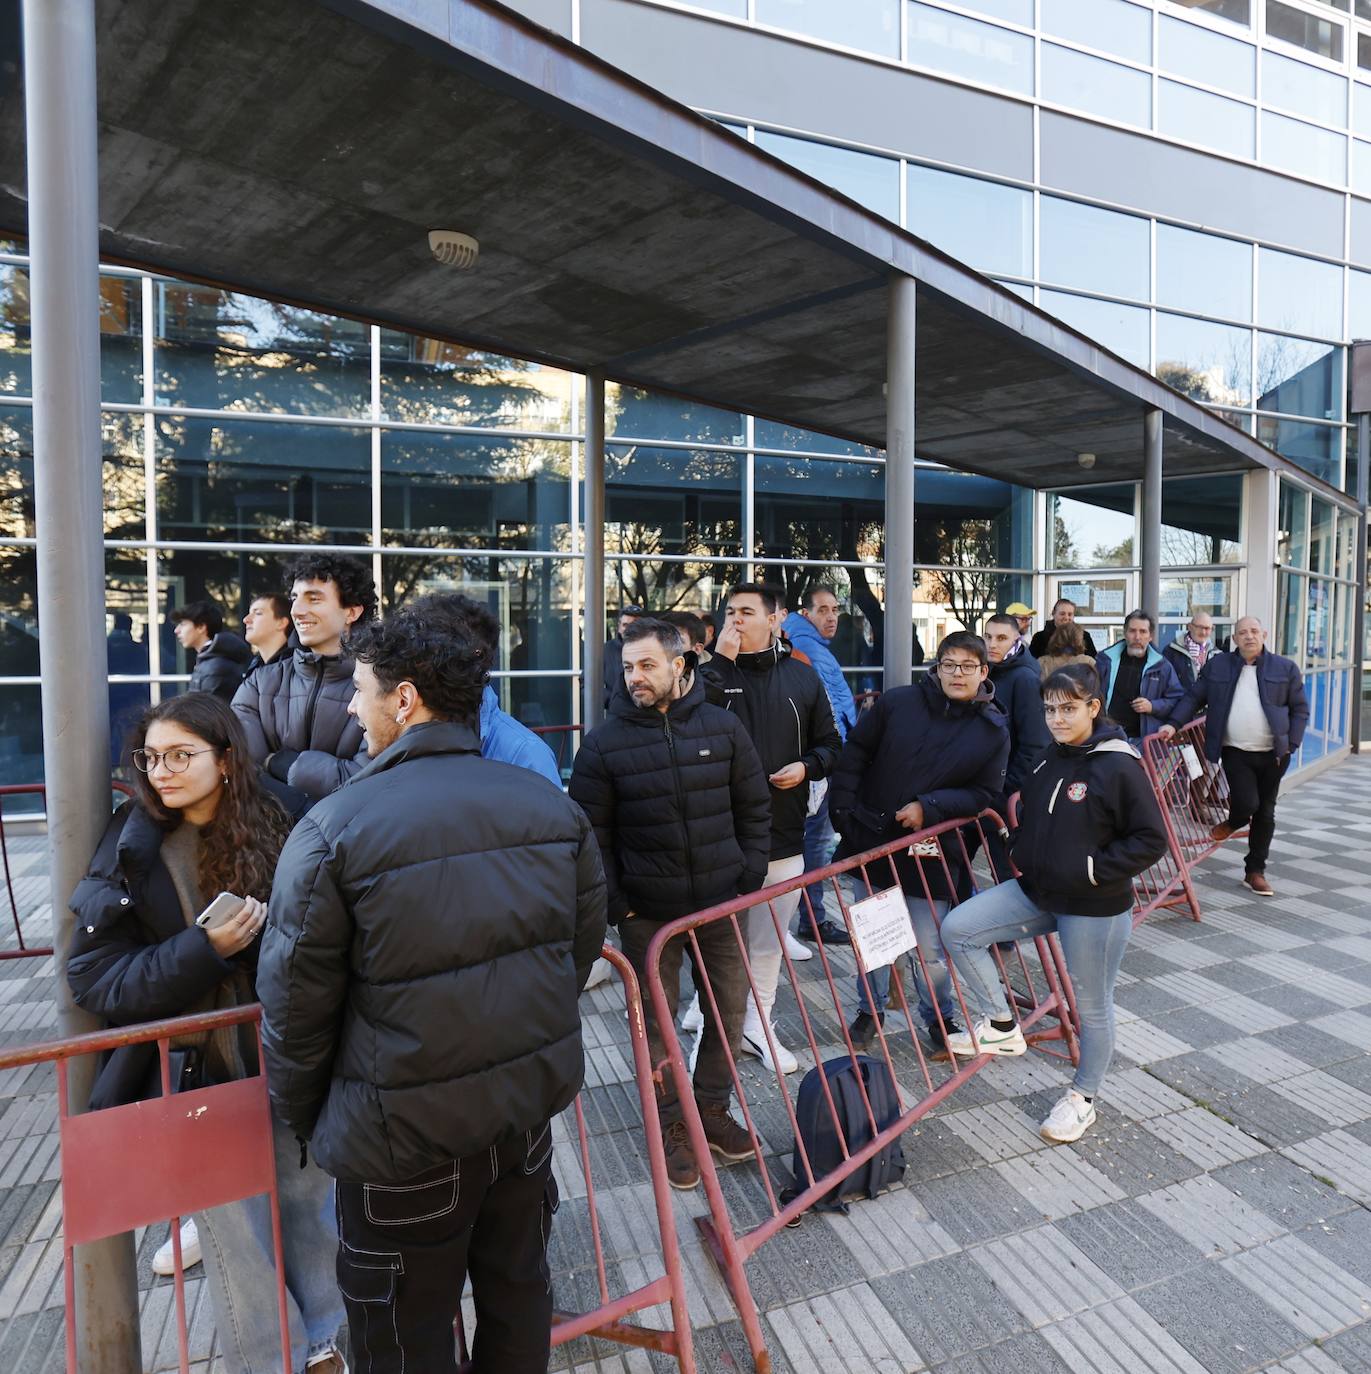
x,y
1089,824
201,825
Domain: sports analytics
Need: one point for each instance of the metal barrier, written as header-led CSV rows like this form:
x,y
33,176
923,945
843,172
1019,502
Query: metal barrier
x,y
563,735
816,1021
1193,791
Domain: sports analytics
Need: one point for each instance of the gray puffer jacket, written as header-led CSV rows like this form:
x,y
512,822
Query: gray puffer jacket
x,y
431,927
295,714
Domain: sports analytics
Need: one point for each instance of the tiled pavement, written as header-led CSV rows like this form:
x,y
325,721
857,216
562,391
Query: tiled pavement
x,y
1218,1217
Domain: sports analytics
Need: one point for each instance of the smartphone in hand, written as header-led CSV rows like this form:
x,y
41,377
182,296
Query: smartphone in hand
x,y
219,911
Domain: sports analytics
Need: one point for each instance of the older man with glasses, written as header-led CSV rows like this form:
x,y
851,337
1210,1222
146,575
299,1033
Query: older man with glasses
x,y
1191,650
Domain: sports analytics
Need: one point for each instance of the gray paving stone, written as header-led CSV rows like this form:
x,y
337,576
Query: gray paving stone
x,y
1044,1275
1120,1337
1264,1114
1284,1190
1058,1182
1310,1291
1339,1157
1133,1158
1311,1361
1198,1076
890,1232
1204,1138
1198,1029
976,1206
1215,1221
1313,1043
845,1332
1345,1239
1024,1353
1129,1243
1352,1350
1139,1095
1144,1043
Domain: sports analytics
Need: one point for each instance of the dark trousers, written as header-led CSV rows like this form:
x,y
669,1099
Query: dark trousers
x,y
1254,781
405,1249
724,962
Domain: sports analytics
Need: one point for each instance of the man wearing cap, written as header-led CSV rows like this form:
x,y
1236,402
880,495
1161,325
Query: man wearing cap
x,y
613,665
1024,615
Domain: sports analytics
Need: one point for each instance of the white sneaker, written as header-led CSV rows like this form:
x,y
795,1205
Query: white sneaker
x,y
601,971
164,1261
1068,1120
797,949
693,1021
988,1041
755,1043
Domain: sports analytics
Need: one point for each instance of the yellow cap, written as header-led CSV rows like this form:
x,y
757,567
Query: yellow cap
x,y
1018,608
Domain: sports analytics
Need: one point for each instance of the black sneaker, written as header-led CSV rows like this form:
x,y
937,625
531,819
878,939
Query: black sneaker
x,y
829,931
863,1030
938,1039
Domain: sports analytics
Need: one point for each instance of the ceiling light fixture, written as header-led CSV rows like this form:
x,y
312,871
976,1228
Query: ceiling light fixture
x,y
1086,460
453,249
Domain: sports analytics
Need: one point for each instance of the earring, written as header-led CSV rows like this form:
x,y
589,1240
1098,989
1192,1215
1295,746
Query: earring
x,y
399,720
224,776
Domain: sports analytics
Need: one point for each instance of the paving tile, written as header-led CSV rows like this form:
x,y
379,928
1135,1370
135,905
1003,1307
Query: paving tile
x,y
1145,1043
1044,1275
1204,1138
890,1232
1312,1361
1267,1115
1345,1238
1139,1095
1023,1353
1335,1102
1119,1337
846,1332
1330,987
1352,1026
1258,1060
1340,1158
1312,1043
1215,1221
976,1206
1134,1159
1351,1350
1058,1182
1310,1291
1284,1190
998,1131
1129,1243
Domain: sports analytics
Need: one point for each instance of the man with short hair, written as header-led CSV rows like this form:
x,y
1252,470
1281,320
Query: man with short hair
x,y
1189,653
1023,617
811,630
431,927
1016,679
295,711
221,657
1063,613
676,794
266,627
1137,683
1256,713
612,664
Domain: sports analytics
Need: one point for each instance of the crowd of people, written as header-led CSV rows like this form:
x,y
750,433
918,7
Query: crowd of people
x,y
338,821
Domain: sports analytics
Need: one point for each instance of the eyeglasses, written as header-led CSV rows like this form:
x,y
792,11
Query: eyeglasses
x,y
954,667
177,760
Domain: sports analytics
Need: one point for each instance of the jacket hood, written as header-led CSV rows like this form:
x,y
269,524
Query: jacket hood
x,y
335,667
1107,739
227,645
766,659
1020,662
419,741
801,631
1115,654
623,706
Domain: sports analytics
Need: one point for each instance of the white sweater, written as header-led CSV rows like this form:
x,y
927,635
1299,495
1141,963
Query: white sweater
x,y
1247,726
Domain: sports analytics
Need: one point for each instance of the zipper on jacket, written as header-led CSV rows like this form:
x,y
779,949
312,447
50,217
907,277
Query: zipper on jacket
x,y
309,707
680,802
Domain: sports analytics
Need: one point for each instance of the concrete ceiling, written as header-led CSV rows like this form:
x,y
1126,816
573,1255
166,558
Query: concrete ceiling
x,y
302,149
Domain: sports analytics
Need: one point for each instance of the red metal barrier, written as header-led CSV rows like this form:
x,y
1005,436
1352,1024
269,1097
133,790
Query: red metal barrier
x,y
558,738
1193,791
816,1011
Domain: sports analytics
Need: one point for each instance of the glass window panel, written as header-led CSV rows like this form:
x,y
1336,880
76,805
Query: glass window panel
x,y
1291,592
1359,305
1237,11
1303,149
1318,625
1209,362
1096,86
694,585
1092,527
475,491
968,48
817,511
736,8
1299,294
979,222
244,480
1364,50
872,25
1345,564
1096,250
1299,377
869,180
1242,422
1292,537
649,415
1360,176
1315,448
1304,90
1203,55
768,434
1308,31
221,350
673,501
1016,11
1109,25
21,745
1121,328
1363,9
433,382
1202,521
1323,522
1361,109
1200,272
1210,121
1181,597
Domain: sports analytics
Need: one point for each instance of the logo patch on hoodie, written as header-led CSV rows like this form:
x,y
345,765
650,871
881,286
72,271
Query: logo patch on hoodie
x,y
1076,792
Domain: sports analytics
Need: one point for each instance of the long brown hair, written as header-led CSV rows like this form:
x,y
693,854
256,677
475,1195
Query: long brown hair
x,y
240,846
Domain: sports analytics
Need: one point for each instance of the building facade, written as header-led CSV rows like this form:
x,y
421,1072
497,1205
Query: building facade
x,y
1183,182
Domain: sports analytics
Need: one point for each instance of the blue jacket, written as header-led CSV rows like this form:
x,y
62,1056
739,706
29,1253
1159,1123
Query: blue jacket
x,y
807,639
1018,693
505,740
1279,685
1159,685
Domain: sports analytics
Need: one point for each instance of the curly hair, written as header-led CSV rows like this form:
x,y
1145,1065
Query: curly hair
x,y
240,846
462,618
351,576
447,669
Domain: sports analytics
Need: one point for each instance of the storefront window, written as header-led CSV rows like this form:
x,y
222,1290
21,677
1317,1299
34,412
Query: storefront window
x,y
1092,527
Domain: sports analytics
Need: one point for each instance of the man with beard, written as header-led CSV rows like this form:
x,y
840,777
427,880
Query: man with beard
x,y
1138,684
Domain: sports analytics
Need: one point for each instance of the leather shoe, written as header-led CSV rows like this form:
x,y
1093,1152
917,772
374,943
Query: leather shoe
x,y
829,931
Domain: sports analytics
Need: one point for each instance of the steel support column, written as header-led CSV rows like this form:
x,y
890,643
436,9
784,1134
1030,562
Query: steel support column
x,y
1361,630
63,192
593,542
899,482
1150,543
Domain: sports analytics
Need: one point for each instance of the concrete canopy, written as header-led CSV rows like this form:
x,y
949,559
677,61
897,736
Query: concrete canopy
x,y
302,150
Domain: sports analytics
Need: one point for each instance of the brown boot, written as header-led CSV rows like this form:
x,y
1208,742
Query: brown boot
x,y
1221,832
726,1138
681,1170
1257,883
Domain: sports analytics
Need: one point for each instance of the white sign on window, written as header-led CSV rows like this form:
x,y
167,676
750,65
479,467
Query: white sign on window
x,y
1206,594
1175,600
1077,592
881,927
1107,603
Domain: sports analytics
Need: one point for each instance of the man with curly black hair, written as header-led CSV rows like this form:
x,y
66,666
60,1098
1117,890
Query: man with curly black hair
x,y
431,927
295,711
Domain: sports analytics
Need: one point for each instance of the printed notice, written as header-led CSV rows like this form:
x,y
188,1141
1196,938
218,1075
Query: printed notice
x,y
881,927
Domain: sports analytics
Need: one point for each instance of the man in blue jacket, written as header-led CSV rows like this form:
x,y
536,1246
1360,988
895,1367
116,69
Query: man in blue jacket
x,y
811,630
1256,715
1139,686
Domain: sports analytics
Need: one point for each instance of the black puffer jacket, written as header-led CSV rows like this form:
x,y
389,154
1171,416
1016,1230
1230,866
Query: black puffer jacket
x,y
295,714
1018,693
784,706
431,927
680,806
221,665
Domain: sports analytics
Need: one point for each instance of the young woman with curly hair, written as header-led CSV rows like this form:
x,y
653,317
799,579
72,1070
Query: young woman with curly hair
x,y
200,824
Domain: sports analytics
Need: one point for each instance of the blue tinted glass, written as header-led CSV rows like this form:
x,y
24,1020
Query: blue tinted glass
x,y
1123,329
966,47
872,25
984,224
1096,86
1359,305
1212,121
869,180
1301,148
1109,25
1200,272
1299,377
1315,448
1209,362
1361,109
1299,294
1361,167
1303,90
1016,11
650,415
1097,250
737,8
768,434
1190,51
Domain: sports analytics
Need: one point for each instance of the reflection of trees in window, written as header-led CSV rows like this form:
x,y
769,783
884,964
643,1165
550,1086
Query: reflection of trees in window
x,y
963,551
1220,380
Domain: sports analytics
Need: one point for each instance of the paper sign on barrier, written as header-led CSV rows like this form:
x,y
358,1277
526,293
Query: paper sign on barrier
x,y
881,927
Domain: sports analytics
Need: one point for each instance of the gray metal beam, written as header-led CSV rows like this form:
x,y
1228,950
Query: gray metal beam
x,y
1150,542
899,481
593,526
60,94
1360,627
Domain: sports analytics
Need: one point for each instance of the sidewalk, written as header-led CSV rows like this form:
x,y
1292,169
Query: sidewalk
x,y
1218,1217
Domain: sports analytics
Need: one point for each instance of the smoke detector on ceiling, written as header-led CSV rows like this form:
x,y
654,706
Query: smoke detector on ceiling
x,y
453,249
1086,460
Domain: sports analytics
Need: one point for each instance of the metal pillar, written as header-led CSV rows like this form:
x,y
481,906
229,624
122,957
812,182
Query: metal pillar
x,y
593,542
899,482
1150,544
1361,629
63,188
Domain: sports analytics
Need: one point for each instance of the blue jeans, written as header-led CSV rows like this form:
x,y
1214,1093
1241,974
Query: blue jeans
x,y
926,932
820,838
237,1246
1093,946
